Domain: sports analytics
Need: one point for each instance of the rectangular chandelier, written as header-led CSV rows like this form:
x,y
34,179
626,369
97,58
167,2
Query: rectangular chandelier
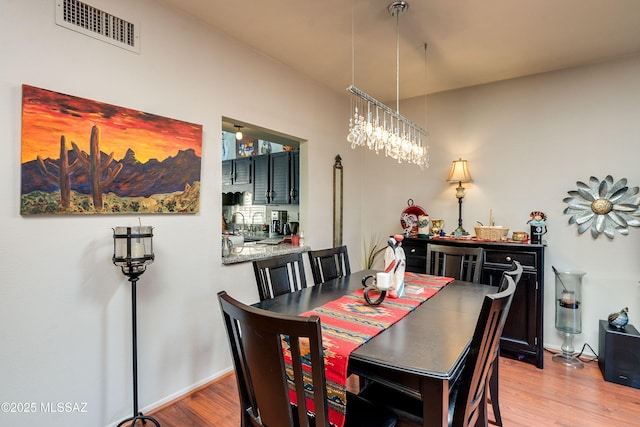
x,y
379,128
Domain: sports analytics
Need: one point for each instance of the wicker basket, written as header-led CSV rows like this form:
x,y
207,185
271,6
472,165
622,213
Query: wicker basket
x,y
492,233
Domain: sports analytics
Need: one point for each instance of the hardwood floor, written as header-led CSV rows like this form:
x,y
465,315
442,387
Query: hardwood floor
x,y
529,397
215,404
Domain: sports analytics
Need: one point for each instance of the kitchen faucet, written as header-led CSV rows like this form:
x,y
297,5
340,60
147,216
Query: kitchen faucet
x,y
233,219
253,217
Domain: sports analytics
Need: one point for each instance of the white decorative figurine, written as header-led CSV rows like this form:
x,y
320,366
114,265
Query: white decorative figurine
x,y
395,264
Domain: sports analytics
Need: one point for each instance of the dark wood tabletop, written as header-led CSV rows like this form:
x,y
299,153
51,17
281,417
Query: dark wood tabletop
x,y
421,354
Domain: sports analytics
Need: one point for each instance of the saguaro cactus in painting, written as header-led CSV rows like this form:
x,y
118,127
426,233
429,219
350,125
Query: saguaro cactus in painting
x,y
63,179
97,168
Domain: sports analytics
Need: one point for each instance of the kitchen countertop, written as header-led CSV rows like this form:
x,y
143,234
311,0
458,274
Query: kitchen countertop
x,y
252,252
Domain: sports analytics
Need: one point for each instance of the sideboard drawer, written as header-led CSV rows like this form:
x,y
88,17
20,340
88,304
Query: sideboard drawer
x,y
418,249
416,253
527,259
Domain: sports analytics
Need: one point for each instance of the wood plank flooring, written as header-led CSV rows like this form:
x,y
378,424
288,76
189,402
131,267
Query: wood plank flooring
x,y
529,397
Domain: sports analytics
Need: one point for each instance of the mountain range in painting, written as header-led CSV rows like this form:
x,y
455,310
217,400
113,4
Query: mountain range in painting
x,y
169,186
135,178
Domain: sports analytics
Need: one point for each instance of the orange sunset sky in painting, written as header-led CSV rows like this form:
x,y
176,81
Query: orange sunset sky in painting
x,y
47,115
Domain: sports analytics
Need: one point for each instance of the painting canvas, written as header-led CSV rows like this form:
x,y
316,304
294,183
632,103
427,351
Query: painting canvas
x,y
86,157
265,147
246,147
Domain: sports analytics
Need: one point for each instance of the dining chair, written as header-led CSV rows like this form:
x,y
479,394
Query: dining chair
x,y
264,378
454,261
468,395
515,272
329,264
279,275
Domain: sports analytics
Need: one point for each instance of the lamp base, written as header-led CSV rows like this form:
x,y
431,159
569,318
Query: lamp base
x,y
568,360
460,232
142,418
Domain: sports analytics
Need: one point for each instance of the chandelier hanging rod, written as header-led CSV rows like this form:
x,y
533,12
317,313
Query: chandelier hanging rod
x,y
395,114
397,9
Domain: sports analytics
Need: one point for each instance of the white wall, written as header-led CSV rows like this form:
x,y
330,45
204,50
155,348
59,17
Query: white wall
x,y
64,307
528,141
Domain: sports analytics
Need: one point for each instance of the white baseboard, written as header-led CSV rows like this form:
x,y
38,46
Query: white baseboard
x,y
178,394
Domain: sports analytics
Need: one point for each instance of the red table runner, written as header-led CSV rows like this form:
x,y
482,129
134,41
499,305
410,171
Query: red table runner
x,y
348,322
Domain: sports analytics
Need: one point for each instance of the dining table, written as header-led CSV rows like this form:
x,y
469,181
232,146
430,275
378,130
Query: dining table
x,y
422,354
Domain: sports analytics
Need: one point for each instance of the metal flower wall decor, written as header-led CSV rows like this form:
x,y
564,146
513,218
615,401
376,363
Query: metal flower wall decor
x,y
603,206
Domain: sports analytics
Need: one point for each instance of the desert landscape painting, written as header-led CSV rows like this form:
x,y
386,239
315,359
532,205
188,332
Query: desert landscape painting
x,y
80,156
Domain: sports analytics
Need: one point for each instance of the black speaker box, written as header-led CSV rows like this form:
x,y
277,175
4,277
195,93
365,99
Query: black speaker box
x,y
619,354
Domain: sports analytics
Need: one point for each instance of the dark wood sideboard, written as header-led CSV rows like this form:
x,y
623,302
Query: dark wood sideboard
x,y
522,336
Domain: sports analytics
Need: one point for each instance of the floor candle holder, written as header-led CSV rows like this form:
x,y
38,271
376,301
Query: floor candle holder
x,y
132,252
568,314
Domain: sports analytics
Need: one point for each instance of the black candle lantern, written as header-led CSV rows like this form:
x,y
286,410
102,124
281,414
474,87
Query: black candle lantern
x,y
132,252
133,249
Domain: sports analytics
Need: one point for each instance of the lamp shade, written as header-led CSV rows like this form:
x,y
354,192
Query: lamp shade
x,y
459,172
239,133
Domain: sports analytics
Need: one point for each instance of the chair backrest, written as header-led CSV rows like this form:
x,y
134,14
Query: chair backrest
x,y
257,338
515,272
461,263
329,264
470,403
279,275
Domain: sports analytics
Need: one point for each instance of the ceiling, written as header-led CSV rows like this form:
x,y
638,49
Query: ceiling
x,y
470,42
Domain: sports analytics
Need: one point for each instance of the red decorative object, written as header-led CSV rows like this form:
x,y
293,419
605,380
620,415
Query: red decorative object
x,y
409,217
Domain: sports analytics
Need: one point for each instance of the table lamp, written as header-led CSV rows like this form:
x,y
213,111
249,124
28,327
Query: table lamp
x,y
132,252
459,173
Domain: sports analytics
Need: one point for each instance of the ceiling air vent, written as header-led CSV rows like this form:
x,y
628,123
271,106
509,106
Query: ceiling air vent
x,y
91,21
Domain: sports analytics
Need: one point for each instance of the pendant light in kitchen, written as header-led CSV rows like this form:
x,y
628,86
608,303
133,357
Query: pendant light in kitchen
x,y
238,132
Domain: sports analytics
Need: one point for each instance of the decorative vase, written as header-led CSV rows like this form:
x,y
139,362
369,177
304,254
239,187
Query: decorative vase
x,y
437,225
537,231
423,225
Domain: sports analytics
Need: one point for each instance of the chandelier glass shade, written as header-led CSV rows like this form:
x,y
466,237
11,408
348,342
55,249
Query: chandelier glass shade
x,y
379,128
